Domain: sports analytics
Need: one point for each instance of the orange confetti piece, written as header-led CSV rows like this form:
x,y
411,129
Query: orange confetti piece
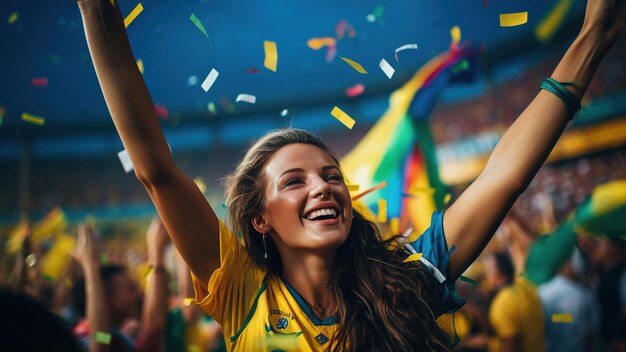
x,y
318,43
375,188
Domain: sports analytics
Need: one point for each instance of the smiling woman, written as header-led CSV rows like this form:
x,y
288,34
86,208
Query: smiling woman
x,y
312,273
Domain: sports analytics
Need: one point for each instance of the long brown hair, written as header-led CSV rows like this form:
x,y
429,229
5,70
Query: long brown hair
x,y
383,303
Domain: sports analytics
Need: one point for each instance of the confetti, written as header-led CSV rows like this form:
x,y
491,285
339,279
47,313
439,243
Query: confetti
x,y
209,80
37,120
133,14
284,112
513,19
39,82
54,59
102,337
340,29
405,47
196,21
140,65
367,191
246,98
318,43
355,90
252,70
549,25
447,198
13,18
562,318
455,33
330,54
355,65
352,187
188,301
382,211
30,260
161,111
271,55
387,69
212,108
377,15
125,160
461,66
192,80
343,117
413,257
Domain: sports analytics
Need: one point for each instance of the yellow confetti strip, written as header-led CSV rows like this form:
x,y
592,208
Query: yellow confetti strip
x,y
102,337
343,117
562,318
382,210
271,55
352,187
133,14
513,19
455,33
140,65
355,65
188,301
37,120
447,198
548,26
150,271
318,43
413,257
14,17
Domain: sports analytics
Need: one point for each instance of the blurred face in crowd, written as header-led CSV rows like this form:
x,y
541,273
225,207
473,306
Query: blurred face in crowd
x,y
123,296
307,203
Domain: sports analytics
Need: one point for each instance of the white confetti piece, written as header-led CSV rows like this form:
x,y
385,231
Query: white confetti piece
x,y
387,69
125,160
209,80
405,47
246,98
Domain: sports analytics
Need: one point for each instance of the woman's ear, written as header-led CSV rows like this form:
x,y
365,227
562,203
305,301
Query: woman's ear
x,y
261,224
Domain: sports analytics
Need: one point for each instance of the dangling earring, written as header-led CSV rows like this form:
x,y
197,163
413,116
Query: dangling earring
x,y
264,246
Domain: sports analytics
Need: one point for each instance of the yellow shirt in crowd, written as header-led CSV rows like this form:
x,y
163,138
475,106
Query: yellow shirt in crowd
x,y
516,312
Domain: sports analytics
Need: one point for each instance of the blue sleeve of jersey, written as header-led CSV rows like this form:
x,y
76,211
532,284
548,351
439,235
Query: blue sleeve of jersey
x,y
435,256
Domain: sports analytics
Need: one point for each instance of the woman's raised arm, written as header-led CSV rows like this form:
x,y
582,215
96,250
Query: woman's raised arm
x,y
470,222
188,217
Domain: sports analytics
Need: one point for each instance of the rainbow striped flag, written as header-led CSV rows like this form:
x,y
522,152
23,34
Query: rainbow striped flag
x,y
399,148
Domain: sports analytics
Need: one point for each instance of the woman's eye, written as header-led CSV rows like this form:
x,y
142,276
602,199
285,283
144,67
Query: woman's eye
x,y
334,178
292,181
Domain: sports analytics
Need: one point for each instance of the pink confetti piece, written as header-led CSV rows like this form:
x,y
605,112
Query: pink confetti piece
x,y
161,111
39,82
355,90
251,70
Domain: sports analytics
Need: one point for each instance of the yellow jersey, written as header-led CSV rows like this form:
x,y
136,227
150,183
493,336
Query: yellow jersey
x,y
260,311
